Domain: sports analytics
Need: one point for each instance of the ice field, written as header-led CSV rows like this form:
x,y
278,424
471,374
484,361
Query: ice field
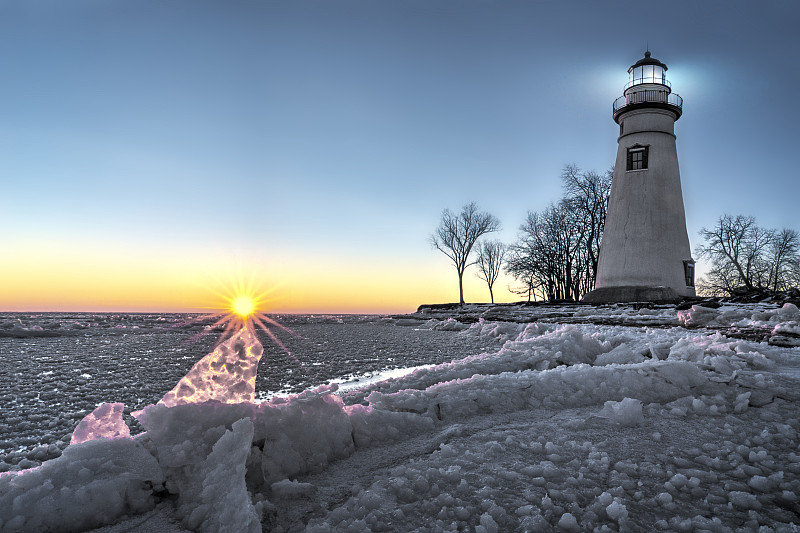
x,y
524,418
57,367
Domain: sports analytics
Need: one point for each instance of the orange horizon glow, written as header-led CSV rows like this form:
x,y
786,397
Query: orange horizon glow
x,y
124,280
243,306
242,311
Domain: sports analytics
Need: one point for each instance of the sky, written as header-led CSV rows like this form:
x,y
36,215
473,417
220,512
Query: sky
x,y
156,155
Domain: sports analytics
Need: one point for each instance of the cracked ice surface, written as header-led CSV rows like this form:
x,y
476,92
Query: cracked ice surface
x,y
227,375
105,422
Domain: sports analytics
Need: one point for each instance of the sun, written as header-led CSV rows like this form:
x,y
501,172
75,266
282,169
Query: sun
x,y
244,306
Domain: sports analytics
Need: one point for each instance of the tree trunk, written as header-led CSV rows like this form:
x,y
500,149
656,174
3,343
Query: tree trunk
x,y
460,288
491,294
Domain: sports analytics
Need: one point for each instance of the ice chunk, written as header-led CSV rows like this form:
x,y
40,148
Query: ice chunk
x,y
628,412
450,324
214,496
687,349
487,524
617,511
227,375
678,480
664,498
761,483
568,522
742,402
622,354
697,316
371,426
300,433
91,484
291,489
105,422
305,433
744,500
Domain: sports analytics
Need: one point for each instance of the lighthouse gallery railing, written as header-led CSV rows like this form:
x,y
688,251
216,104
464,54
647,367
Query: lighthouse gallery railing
x,y
647,96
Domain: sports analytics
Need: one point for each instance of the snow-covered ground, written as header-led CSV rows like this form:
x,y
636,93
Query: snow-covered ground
x,y
576,418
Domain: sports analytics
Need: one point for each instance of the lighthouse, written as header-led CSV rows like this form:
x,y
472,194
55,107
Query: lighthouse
x,y
645,253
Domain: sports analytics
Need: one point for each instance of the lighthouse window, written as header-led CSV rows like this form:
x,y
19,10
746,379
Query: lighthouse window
x,y
688,272
637,158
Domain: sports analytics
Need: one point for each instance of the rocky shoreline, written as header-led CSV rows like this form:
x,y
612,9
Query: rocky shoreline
x,y
691,313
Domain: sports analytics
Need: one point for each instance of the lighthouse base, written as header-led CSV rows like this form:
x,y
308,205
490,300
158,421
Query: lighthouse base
x,y
631,293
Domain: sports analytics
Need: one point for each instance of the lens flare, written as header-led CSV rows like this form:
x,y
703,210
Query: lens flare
x,y
240,307
244,306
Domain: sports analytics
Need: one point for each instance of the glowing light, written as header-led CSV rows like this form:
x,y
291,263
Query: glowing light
x,y
243,306
228,373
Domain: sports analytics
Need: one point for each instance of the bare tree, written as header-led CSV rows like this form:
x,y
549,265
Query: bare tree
x,y
526,258
587,194
742,254
521,259
735,245
557,250
490,260
784,254
551,253
457,234
527,289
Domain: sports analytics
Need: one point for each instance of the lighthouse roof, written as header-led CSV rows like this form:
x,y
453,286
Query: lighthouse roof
x,y
647,60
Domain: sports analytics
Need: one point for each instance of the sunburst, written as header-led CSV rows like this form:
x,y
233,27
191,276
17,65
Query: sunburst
x,y
242,307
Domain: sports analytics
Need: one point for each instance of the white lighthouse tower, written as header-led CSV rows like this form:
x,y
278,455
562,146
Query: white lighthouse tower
x,y
645,254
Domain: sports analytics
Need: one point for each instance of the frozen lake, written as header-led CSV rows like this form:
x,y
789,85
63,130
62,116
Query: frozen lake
x,y
517,418
57,367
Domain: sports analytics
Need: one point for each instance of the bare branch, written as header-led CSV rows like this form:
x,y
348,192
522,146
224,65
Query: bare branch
x,y
745,255
490,261
457,234
558,249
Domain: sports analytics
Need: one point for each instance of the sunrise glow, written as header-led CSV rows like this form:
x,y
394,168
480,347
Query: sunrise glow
x,y
243,306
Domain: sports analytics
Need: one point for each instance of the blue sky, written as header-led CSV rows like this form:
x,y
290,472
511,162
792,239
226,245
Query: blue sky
x,y
325,138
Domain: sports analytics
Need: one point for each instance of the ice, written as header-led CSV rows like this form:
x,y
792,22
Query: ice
x,y
627,412
91,484
291,489
574,386
698,316
304,434
228,374
761,483
568,522
743,500
575,427
105,422
450,324
487,524
664,498
622,354
214,496
617,511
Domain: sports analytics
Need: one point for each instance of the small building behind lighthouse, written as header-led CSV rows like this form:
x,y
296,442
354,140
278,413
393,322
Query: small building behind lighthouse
x,y
645,253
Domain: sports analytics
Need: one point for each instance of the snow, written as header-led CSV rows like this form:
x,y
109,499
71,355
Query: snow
x,y
212,494
91,484
585,418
